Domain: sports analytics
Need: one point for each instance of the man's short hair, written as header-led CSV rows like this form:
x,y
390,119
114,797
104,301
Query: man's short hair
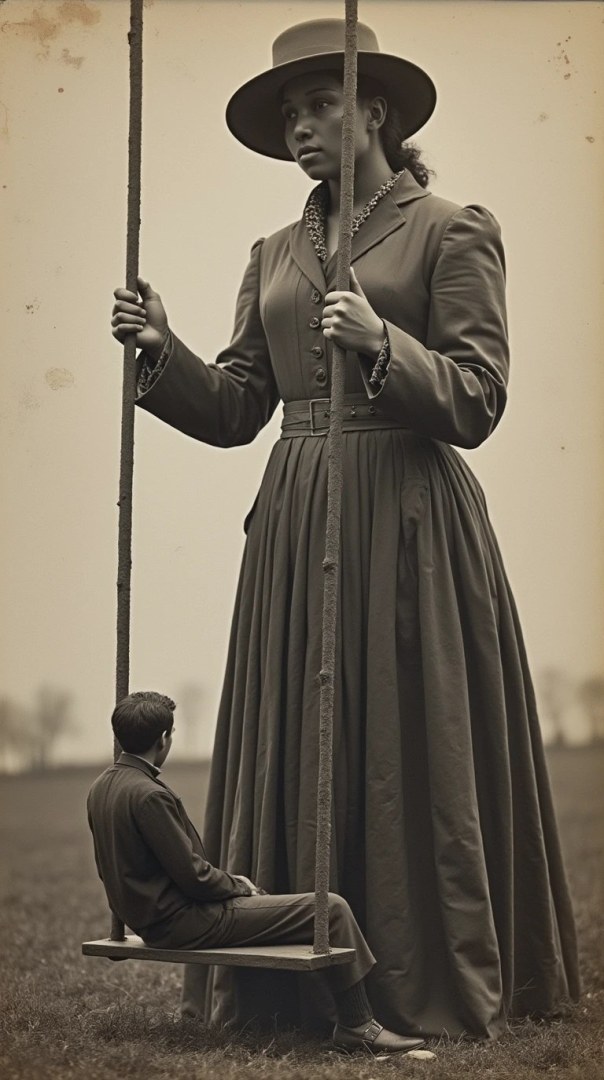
x,y
139,719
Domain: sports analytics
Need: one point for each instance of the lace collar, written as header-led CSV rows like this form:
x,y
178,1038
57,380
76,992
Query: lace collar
x,y
315,213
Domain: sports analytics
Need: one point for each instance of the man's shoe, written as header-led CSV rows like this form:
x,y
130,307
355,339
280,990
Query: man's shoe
x,y
375,1038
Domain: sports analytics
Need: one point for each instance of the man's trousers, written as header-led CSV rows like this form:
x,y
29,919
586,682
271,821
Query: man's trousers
x,y
286,919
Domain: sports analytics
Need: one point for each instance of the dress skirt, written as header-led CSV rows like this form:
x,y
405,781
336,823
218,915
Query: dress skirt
x,y
444,836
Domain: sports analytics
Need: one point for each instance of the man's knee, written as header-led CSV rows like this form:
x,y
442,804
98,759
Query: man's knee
x,y
339,908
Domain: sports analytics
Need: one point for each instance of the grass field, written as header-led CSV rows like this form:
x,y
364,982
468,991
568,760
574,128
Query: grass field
x,y
74,1018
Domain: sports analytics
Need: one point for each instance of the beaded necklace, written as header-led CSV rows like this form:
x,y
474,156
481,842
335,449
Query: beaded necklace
x,y
315,213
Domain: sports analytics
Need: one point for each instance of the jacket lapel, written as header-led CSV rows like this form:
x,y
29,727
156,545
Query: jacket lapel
x,y
382,221
388,215
304,254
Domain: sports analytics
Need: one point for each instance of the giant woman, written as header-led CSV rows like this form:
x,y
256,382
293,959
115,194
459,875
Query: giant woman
x,y
445,842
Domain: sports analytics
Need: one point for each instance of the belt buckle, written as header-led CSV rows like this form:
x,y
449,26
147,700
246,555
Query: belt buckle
x,y
326,403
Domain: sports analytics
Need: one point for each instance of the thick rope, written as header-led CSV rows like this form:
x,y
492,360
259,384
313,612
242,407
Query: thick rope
x,y
331,562
124,566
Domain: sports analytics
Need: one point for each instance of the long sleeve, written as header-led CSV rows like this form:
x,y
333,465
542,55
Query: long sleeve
x,y
453,388
162,830
228,402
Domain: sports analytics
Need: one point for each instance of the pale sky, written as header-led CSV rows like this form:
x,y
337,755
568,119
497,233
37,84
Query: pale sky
x,y
518,127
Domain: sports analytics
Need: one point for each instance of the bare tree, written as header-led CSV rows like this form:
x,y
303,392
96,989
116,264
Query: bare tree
x,y
15,736
555,693
29,736
50,718
591,695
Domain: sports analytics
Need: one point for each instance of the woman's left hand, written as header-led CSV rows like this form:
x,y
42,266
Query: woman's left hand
x,y
350,321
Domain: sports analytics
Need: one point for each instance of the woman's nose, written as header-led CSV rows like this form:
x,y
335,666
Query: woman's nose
x,y
301,128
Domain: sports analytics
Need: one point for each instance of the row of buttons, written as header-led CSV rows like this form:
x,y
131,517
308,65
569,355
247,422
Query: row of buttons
x,y
319,373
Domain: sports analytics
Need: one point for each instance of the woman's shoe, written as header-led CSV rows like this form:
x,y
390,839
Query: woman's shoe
x,y
375,1038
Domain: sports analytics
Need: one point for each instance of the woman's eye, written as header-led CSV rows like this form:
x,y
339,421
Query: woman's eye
x,y
321,104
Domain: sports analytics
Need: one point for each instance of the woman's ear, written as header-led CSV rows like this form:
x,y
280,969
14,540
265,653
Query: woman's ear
x,y
378,108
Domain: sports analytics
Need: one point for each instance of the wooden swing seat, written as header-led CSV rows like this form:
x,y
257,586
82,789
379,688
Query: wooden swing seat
x,y
286,957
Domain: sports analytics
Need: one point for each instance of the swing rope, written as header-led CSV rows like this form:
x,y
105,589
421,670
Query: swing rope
x,y
124,543
331,562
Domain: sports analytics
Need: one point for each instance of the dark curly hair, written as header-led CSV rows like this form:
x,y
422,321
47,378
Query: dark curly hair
x,y
399,154
139,719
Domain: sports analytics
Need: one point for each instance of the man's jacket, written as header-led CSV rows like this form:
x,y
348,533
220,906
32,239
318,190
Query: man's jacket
x,y
149,855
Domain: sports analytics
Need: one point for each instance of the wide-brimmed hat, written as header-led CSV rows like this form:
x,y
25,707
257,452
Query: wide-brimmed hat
x,y
254,112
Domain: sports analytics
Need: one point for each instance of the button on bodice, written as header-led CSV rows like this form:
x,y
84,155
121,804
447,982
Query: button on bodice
x,y
321,376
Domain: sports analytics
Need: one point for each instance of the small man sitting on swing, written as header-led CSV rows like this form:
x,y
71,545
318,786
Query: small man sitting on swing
x,y
159,882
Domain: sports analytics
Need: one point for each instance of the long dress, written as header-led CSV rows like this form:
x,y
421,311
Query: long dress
x,y
444,836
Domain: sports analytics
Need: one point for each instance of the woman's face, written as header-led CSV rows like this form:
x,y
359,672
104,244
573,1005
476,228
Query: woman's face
x,y
312,107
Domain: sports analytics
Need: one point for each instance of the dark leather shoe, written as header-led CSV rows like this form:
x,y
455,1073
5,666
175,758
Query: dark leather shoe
x,y
375,1038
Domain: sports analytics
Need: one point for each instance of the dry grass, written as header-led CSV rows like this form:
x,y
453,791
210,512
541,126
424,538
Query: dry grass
x,y
65,1016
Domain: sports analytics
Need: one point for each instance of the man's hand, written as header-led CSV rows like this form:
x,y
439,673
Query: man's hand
x,y
350,321
255,890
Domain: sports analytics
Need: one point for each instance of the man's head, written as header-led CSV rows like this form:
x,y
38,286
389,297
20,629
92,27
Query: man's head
x,y
144,721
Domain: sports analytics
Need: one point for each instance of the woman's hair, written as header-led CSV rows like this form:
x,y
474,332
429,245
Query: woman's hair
x,y
139,719
399,154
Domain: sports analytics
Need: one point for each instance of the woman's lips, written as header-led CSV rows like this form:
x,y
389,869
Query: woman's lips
x,y
307,151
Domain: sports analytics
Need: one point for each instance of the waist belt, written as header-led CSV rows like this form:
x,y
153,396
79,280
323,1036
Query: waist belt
x,y
312,417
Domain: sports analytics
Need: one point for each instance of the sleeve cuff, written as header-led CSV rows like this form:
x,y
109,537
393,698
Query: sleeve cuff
x,y
380,368
152,369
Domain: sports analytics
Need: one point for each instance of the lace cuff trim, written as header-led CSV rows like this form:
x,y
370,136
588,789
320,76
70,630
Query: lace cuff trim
x,y
150,370
380,368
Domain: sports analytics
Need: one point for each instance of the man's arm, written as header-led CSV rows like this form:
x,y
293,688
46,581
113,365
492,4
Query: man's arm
x,y
162,830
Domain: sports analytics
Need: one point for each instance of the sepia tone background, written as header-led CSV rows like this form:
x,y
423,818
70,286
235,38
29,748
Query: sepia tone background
x,y
518,127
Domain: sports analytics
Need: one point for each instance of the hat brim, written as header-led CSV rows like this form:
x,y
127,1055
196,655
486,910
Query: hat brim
x,y
254,115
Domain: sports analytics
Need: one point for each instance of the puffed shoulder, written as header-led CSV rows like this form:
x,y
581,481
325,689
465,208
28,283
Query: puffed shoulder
x,y
470,239
471,224
451,386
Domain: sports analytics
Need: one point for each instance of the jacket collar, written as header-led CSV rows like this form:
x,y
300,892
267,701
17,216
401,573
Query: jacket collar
x,y
407,189
133,761
383,220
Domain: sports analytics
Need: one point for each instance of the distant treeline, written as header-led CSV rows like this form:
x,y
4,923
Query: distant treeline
x,y
29,734
571,710
571,713
32,737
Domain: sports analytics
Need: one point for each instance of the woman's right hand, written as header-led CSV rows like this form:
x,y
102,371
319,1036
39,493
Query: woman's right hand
x,y
145,316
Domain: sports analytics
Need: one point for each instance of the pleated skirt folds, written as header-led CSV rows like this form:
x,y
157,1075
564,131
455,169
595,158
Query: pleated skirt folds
x,y
444,836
